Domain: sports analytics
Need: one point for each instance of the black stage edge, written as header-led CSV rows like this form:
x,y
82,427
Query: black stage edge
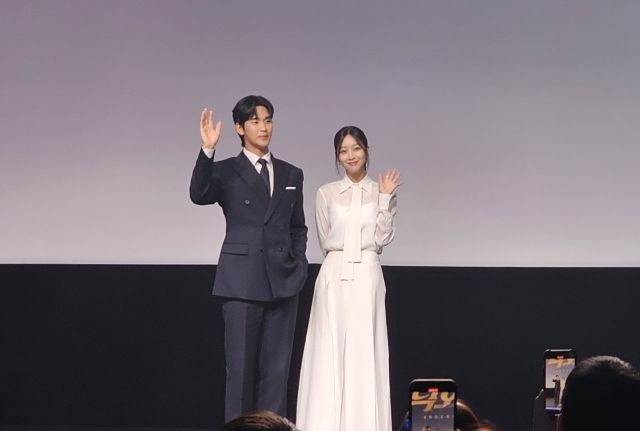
x,y
142,345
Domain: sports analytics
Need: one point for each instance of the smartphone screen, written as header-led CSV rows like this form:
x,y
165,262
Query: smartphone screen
x,y
432,409
557,366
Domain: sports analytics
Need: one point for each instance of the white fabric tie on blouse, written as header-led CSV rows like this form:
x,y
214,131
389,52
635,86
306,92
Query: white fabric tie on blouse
x,y
352,237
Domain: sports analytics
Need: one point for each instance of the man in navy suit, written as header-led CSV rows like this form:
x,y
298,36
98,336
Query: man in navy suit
x,y
262,264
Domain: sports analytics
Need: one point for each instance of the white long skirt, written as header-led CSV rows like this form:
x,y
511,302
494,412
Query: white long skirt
x,y
344,380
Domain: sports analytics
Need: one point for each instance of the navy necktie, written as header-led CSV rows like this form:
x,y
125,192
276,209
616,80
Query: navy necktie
x,y
264,173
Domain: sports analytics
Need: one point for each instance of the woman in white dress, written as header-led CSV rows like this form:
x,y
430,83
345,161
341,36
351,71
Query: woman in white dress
x,y
344,380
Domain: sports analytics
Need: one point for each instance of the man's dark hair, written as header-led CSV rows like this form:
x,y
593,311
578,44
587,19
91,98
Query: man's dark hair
x,y
259,421
246,107
601,393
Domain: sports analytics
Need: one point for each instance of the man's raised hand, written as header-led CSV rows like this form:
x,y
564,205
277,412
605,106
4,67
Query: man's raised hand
x,y
208,133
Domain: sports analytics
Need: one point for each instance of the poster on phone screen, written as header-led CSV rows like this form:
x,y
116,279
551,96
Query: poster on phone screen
x,y
432,411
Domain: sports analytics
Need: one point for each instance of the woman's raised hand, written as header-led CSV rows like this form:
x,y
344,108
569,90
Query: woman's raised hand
x,y
389,182
208,133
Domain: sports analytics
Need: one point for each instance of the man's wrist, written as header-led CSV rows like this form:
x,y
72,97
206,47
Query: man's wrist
x,y
208,152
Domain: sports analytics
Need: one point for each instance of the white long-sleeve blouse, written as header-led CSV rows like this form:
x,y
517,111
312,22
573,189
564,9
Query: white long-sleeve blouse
x,y
376,218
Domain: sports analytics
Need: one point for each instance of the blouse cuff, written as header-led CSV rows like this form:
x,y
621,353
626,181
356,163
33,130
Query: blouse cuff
x,y
384,201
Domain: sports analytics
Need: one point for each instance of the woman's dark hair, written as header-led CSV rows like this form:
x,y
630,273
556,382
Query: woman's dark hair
x,y
246,107
259,421
357,134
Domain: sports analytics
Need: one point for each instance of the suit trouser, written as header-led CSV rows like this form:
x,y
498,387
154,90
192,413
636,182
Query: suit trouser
x,y
258,339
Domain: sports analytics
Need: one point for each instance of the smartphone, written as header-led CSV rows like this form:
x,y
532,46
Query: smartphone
x,y
558,363
433,404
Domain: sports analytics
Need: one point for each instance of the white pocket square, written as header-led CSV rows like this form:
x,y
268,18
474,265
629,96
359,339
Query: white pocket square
x,y
290,188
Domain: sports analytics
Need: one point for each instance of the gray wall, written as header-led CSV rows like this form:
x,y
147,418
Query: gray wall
x,y
514,123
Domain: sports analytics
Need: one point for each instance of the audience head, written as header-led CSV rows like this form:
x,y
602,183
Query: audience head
x,y
259,421
483,425
601,393
465,417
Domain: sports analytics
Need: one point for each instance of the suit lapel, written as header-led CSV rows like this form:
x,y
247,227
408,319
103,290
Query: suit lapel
x,y
280,177
248,173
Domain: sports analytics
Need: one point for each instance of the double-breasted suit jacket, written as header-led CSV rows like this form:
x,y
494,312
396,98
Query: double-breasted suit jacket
x,y
263,254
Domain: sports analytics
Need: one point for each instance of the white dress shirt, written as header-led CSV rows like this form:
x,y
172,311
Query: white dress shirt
x,y
253,158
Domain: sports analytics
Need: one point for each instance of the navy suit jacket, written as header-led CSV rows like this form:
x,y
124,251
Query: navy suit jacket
x,y
263,254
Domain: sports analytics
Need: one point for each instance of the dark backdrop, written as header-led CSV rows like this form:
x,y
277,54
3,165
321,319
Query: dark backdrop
x,y
136,345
